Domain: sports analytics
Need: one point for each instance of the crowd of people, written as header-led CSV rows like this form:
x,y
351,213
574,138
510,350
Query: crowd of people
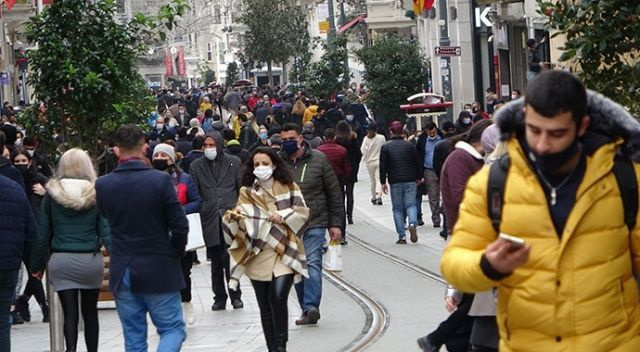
x,y
271,175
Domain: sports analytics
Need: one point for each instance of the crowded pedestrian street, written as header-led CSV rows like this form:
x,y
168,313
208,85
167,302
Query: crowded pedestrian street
x,y
398,287
319,176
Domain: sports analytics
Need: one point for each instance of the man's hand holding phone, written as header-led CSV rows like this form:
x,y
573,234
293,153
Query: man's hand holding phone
x,y
507,253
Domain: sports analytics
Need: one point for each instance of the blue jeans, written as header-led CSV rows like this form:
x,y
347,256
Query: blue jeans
x,y
309,291
8,279
403,199
165,310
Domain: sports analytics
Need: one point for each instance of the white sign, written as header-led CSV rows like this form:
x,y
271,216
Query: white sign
x,y
481,17
322,11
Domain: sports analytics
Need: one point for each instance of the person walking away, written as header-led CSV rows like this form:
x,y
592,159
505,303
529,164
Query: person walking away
x,y
248,137
147,245
346,137
34,186
164,159
309,135
426,147
370,150
580,254
440,154
71,228
339,159
196,152
297,112
400,166
233,147
462,163
319,185
269,193
217,178
16,237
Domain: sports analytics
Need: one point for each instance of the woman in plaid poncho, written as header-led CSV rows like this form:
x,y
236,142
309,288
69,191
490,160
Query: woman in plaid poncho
x,y
263,233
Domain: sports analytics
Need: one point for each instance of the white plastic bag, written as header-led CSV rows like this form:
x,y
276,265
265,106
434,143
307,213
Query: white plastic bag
x,y
332,260
195,239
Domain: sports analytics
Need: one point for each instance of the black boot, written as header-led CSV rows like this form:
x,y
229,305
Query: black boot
x,y
281,342
269,334
22,307
45,312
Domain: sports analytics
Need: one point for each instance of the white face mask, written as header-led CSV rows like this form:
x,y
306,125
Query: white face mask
x,y
263,173
30,151
18,142
513,97
211,153
349,118
466,120
159,127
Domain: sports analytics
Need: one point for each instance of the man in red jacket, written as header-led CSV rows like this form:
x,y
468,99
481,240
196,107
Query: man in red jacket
x,y
337,156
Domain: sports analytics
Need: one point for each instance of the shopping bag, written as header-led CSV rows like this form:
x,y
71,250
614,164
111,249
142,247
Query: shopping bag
x,y
195,239
332,260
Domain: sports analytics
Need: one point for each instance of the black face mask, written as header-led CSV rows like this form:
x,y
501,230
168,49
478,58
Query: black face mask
x,y
550,163
24,168
161,164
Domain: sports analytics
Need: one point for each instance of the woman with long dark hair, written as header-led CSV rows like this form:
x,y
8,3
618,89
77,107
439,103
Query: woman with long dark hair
x,y
264,231
349,139
34,186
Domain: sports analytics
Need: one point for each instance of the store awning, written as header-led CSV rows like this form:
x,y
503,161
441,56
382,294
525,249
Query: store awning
x,y
352,23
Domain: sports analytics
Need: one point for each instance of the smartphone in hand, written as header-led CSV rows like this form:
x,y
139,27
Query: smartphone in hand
x,y
516,242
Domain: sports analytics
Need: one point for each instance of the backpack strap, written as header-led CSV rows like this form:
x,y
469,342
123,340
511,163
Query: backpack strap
x,y
628,184
495,190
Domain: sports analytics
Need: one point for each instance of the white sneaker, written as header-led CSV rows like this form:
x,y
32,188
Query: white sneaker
x,y
189,314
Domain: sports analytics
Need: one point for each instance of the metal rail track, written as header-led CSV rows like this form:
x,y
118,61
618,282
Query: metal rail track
x,y
377,317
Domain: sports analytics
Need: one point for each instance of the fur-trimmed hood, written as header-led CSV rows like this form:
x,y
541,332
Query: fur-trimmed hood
x,y
609,121
76,194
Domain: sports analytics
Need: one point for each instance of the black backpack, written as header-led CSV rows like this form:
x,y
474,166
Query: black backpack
x,y
622,168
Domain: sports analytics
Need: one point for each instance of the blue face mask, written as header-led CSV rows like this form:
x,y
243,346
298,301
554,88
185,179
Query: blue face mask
x,y
264,136
290,147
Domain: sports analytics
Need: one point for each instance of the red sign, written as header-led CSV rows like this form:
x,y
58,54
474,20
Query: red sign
x,y
168,63
182,70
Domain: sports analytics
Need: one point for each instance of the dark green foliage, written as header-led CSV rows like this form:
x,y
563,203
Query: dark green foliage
x,y
86,70
330,74
273,28
394,70
232,73
603,38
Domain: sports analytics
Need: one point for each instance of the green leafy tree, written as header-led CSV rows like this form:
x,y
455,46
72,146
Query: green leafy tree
x,y
208,75
85,70
602,41
330,74
394,70
271,31
232,73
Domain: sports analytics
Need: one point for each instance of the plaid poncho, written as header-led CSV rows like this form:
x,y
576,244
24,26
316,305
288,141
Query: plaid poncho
x,y
249,230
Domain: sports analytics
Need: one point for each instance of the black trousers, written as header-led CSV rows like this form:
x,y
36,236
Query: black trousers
x,y
349,195
272,299
221,274
34,288
456,328
187,264
89,307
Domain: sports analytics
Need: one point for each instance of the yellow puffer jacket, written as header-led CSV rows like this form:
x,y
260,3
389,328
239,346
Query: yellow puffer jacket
x,y
574,294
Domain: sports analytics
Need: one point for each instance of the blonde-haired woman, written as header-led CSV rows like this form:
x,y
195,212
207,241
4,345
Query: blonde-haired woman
x,y
71,229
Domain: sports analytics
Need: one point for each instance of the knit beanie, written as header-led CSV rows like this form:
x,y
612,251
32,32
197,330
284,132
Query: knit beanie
x,y
167,149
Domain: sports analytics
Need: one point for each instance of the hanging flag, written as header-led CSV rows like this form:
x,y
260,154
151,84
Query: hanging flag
x,y
428,4
182,70
9,4
418,6
168,63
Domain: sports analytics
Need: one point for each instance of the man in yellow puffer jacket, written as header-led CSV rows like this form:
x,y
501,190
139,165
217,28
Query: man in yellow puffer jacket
x,y
571,287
